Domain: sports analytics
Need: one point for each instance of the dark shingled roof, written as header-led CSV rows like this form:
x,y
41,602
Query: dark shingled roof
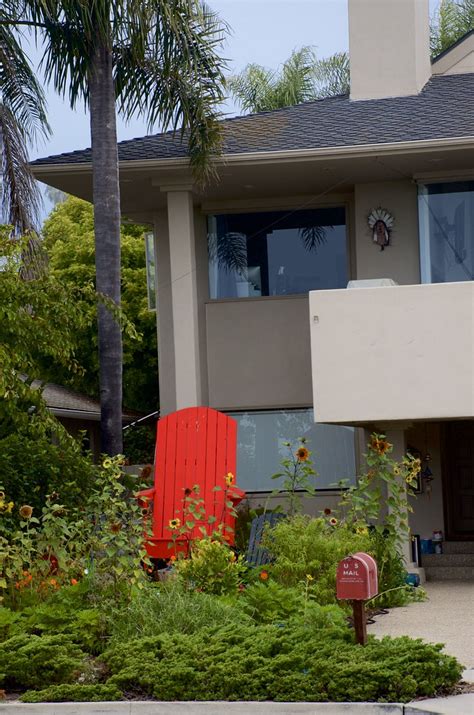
x,y
58,397
444,109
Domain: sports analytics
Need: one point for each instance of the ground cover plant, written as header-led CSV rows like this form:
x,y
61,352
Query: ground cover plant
x,y
84,618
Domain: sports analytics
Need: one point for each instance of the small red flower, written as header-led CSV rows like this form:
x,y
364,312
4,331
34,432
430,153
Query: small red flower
x,y
264,576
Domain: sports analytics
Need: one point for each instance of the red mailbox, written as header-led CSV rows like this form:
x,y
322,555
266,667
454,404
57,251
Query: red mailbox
x,y
357,578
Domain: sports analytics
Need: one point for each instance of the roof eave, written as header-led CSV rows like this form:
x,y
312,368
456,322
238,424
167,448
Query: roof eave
x,y
281,156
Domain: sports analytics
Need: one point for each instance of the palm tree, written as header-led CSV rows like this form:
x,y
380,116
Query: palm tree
x,y
452,19
22,122
158,58
302,78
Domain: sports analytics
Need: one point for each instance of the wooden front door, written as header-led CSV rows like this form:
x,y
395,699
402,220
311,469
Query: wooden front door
x,y
458,479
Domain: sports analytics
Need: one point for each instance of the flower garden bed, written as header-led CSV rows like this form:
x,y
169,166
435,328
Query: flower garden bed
x,y
82,618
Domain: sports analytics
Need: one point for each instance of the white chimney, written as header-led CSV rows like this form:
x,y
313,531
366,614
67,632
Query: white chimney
x,y
389,47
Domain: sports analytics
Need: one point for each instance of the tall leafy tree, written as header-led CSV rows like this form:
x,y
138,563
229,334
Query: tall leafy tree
x,y
22,123
301,78
451,20
158,58
68,237
39,321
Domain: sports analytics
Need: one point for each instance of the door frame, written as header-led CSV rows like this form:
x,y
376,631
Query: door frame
x,y
450,529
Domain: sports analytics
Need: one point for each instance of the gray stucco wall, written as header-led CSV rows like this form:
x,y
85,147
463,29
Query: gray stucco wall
x,y
258,353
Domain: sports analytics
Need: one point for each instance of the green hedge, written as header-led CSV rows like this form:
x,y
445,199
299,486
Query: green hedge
x,y
280,663
73,693
30,661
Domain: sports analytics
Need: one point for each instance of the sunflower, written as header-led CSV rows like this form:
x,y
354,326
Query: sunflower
x,y
327,511
174,523
229,479
379,445
309,577
107,463
26,511
115,528
333,521
188,492
302,454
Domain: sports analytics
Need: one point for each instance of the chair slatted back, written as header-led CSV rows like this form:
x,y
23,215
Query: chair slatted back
x,y
256,554
195,448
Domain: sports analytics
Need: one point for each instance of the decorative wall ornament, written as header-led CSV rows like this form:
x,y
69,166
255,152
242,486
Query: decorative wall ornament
x,y
381,223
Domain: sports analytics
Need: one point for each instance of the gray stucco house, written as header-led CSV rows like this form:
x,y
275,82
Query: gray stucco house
x,y
255,316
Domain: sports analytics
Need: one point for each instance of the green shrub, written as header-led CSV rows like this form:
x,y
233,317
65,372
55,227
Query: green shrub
x,y
212,568
269,662
84,627
72,693
303,546
270,602
32,467
393,589
167,608
66,612
29,661
10,624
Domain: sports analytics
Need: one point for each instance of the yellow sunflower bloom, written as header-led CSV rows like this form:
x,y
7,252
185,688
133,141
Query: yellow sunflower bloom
x,y
174,523
229,479
302,454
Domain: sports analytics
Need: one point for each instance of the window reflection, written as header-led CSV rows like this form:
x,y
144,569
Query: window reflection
x,y
260,447
276,252
447,232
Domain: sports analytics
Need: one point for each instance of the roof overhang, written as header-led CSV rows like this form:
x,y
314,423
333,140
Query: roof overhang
x,y
254,174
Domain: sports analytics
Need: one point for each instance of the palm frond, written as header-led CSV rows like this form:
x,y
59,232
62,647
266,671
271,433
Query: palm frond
x,y
229,251
296,79
253,88
332,75
19,88
301,78
313,236
166,54
168,69
20,199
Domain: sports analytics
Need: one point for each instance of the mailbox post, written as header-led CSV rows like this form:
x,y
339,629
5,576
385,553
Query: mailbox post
x,y
357,581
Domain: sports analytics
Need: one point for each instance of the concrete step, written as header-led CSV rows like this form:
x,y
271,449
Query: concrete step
x,y
458,547
436,560
449,573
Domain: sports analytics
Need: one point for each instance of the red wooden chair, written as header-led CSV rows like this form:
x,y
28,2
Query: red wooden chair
x,y
195,450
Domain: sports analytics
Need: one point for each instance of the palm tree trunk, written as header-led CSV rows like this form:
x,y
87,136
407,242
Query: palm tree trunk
x,y
106,196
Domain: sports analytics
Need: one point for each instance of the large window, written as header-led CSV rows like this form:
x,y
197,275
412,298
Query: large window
x,y
260,447
277,252
447,232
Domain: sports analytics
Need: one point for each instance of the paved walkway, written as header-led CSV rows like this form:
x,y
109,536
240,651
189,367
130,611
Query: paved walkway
x,y
447,616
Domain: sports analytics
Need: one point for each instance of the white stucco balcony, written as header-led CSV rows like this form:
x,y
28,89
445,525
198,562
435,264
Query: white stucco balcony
x,y
393,353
